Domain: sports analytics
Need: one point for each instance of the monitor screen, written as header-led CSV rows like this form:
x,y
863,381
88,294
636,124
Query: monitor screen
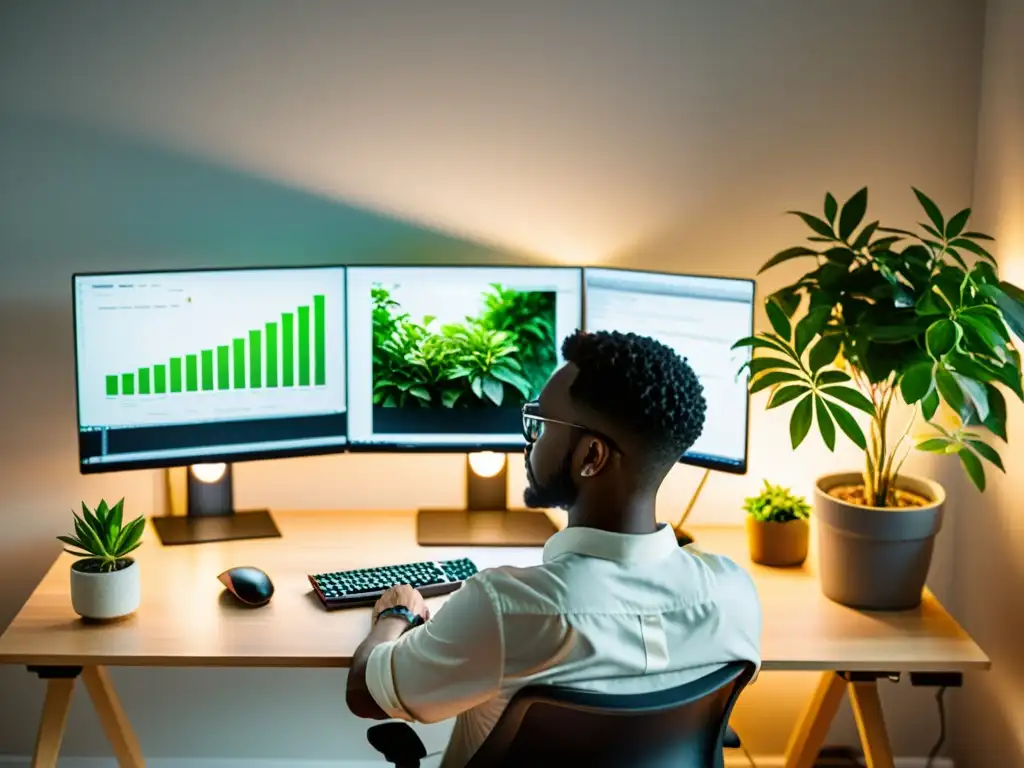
x,y
175,368
701,318
443,358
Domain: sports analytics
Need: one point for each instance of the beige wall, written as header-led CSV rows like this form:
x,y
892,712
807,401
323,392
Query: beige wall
x,y
988,716
661,134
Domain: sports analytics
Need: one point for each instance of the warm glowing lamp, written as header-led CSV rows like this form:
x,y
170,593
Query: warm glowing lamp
x,y
486,519
210,511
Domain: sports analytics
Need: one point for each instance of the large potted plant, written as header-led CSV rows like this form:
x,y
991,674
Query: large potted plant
x,y
888,318
105,581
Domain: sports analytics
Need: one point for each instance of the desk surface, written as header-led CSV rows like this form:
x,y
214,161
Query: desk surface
x,y
184,619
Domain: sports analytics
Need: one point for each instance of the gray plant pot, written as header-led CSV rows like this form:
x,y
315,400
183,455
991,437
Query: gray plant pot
x,y
873,558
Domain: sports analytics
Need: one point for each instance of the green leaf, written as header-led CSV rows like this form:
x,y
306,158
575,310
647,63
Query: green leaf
x,y
987,452
930,404
449,397
949,389
800,421
785,394
130,536
71,540
117,515
974,248
102,512
847,423
853,213
940,337
779,320
977,236
996,421
831,208
934,445
956,224
865,236
770,379
824,352
931,209
915,382
819,226
762,341
494,390
850,396
512,378
978,330
90,518
786,255
831,377
972,464
477,385
809,327
420,393
762,364
826,426
975,393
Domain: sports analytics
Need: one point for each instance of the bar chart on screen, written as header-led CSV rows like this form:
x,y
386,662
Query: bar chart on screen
x,y
179,348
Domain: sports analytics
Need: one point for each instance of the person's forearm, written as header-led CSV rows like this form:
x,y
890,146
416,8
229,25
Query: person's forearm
x,y
357,695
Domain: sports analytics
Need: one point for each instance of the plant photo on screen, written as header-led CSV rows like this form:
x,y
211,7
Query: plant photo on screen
x,y
498,357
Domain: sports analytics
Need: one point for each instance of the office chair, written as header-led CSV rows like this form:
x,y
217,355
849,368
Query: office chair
x,y
682,727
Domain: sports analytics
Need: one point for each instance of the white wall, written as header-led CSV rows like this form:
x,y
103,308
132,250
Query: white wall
x,y
661,134
989,717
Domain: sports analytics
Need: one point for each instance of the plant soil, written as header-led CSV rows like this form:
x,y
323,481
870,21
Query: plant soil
x,y
92,565
854,494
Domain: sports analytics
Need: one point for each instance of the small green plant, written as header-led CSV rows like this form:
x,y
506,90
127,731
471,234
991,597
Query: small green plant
x,y
776,504
101,539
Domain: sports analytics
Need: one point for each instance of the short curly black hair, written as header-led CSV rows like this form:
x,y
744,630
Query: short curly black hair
x,y
642,384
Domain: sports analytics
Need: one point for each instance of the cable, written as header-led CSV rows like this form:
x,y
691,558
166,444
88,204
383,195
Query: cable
x,y
942,728
747,753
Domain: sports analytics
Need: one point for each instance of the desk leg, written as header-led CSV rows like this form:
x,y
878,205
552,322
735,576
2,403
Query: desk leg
x,y
112,717
809,737
51,725
867,711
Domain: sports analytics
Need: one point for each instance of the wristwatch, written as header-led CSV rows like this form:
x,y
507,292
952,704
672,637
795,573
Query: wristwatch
x,y
400,610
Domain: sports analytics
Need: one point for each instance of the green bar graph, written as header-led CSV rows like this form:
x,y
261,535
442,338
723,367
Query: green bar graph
x,y
239,348
262,357
319,340
192,373
207,368
303,346
287,349
224,367
271,354
255,360
175,374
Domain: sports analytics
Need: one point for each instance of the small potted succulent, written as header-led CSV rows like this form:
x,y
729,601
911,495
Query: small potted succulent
x,y
777,530
105,581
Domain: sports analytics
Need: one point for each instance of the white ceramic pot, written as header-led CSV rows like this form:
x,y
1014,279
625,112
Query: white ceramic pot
x,y
105,595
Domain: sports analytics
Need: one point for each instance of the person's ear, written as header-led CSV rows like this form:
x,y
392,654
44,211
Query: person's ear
x,y
595,457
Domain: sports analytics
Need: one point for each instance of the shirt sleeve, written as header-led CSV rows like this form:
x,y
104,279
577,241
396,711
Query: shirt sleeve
x,y
450,664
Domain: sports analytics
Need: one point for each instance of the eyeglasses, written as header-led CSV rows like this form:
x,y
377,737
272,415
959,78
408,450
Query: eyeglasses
x,y
533,425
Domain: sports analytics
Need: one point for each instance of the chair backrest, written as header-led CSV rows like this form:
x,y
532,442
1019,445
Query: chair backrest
x,y
682,727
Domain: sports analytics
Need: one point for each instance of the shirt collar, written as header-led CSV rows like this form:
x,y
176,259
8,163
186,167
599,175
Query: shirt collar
x,y
618,547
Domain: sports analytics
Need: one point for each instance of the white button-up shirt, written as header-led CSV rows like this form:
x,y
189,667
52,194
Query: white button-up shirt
x,y
614,613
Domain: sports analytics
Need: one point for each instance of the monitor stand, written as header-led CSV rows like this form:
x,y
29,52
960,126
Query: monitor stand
x,y
486,521
211,514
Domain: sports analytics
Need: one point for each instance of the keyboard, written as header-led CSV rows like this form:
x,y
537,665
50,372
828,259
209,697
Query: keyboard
x,y
363,586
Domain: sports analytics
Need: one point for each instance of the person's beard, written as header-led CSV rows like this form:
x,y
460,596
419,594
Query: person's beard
x,y
559,492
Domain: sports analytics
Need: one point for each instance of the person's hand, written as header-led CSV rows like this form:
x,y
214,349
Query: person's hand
x,y
402,595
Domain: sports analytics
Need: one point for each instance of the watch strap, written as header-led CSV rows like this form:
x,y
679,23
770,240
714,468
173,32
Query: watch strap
x,y
405,613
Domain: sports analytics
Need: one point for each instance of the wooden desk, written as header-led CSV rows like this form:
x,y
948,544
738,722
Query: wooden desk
x,y
184,620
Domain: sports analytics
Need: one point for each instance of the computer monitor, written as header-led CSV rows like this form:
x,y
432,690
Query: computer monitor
x,y
701,318
442,359
208,367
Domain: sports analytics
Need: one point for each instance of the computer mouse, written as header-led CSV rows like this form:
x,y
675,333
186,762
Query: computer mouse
x,y
250,585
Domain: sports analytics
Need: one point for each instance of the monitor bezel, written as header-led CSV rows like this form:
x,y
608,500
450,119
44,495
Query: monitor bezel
x,y
450,448
227,457
702,463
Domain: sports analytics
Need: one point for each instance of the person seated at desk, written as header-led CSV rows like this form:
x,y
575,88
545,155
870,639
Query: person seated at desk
x,y
617,606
